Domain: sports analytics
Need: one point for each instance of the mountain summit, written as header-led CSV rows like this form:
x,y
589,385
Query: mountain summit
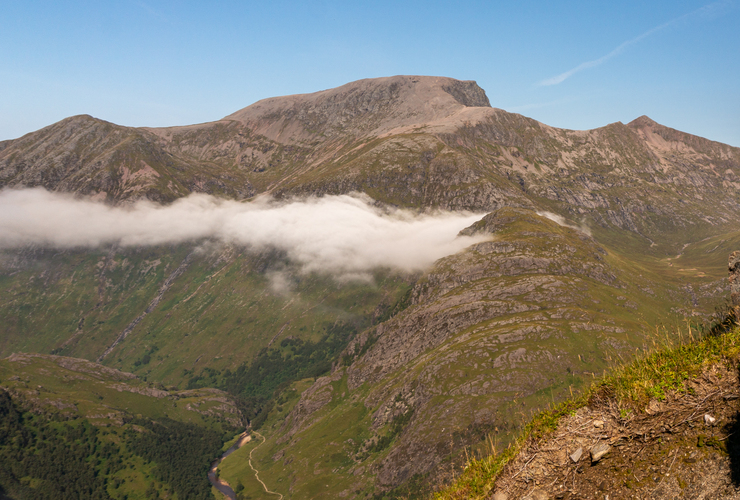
x,y
414,141
368,107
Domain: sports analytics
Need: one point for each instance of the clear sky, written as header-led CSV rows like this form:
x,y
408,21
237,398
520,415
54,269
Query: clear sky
x,y
570,64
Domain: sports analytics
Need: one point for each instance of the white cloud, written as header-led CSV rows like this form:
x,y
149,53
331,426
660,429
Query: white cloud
x,y
345,235
562,221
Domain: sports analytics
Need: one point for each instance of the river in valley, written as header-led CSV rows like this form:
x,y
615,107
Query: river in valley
x,y
219,483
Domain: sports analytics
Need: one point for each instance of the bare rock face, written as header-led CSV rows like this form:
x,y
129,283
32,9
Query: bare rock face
x,y
734,268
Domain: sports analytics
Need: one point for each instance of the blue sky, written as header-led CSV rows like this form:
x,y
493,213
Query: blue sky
x,y
570,64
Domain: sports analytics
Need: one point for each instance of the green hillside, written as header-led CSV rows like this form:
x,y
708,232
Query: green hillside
x,y
678,401
75,429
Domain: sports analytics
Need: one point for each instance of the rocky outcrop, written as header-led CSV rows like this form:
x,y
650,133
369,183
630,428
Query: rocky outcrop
x,y
734,268
80,388
312,400
75,365
511,274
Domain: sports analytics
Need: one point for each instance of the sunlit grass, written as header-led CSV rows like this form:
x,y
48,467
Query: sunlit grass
x,y
664,370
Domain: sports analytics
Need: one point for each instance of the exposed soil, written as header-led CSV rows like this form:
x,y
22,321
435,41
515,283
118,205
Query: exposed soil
x,y
671,450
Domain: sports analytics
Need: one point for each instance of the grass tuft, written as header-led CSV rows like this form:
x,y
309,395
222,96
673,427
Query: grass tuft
x,y
632,385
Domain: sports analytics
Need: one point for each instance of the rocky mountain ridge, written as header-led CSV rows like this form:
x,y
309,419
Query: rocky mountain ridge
x,y
408,141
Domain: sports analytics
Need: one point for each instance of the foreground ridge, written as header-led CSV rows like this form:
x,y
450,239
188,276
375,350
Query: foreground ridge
x,y
664,426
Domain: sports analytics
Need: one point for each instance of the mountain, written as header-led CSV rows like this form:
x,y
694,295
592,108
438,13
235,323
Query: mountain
x,y
408,141
590,239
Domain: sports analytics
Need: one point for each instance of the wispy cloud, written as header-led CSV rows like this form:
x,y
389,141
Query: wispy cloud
x,y
150,10
342,235
708,11
562,221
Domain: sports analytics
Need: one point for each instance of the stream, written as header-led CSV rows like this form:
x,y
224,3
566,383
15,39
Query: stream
x,y
219,483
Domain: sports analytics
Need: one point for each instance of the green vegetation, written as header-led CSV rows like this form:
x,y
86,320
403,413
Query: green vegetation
x,y
183,453
42,458
484,340
222,311
106,433
257,384
548,309
631,386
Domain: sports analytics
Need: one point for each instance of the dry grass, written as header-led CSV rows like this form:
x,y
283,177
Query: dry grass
x,y
630,387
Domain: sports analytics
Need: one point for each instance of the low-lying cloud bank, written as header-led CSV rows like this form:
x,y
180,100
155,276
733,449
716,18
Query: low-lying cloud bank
x,y
339,234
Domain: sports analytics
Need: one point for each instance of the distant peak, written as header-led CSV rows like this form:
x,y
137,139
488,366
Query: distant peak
x,y
643,121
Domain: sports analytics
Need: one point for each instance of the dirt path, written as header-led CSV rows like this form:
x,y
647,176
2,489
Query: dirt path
x,y
256,472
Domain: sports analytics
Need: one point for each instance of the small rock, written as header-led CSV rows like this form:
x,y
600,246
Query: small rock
x,y
598,451
538,495
500,496
576,455
598,424
708,419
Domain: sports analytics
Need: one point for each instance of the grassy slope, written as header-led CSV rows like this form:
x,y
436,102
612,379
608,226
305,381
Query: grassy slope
x,y
223,309
75,391
567,352
631,386
219,313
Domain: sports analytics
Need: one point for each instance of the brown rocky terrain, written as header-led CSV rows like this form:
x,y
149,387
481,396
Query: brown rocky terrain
x,y
681,448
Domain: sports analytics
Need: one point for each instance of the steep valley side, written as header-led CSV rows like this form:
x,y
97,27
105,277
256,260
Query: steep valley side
x,y
492,334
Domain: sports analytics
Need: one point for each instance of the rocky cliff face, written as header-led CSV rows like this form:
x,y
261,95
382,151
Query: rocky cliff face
x,y
536,303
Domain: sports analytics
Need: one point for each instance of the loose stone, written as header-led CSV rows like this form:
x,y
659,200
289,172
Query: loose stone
x,y
598,451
